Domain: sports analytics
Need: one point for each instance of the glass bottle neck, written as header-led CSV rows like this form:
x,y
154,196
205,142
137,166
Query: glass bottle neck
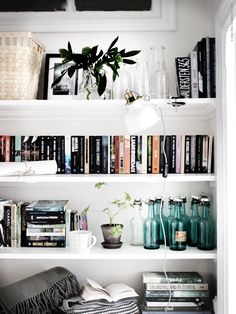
x,y
206,211
151,210
195,209
178,207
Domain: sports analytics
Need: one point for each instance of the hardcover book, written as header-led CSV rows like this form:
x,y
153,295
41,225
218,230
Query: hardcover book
x,y
47,206
174,277
183,73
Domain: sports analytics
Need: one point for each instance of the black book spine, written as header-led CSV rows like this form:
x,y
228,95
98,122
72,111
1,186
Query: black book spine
x,y
81,154
74,154
162,158
48,148
63,156
23,224
91,154
34,148
45,243
12,148
204,66
149,154
199,140
112,154
98,154
7,225
105,154
173,154
133,153
41,147
187,163
168,151
212,68
183,73
45,218
1,148
54,147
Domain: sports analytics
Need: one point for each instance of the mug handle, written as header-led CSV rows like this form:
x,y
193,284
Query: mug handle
x,y
93,241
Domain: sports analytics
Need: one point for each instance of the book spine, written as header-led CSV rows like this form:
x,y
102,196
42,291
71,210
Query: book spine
x,y
7,148
45,243
199,140
49,149
204,153
25,148
112,154
14,241
23,224
87,155
12,148
44,233
156,294
177,286
183,72
7,224
182,154
156,154
41,147
63,155
133,153
210,154
91,154
1,148
121,154
194,74
74,154
144,154
37,218
193,154
98,154
149,154
173,154
187,165
17,148
127,154
168,151
139,157
212,67
117,154
105,156
67,155
34,149
208,69
178,153
204,66
81,155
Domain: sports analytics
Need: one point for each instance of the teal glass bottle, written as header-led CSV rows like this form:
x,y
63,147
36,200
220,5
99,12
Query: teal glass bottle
x,y
170,217
206,227
151,229
178,230
184,212
136,224
193,222
157,208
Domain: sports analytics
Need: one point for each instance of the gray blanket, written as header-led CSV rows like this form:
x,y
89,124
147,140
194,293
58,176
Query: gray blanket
x,y
42,293
77,305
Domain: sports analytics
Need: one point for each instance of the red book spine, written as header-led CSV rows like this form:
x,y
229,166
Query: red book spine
x,y
117,154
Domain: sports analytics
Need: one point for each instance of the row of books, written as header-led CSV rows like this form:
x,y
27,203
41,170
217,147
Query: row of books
x,y
196,73
119,154
43,223
186,292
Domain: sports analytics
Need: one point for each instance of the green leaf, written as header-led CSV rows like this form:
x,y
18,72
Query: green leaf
x,y
131,53
85,211
69,48
58,79
102,83
129,61
71,70
113,43
99,185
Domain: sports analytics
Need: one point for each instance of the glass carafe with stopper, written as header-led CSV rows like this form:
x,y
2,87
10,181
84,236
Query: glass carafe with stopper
x,y
206,227
178,231
193,222
136,224
157,209
151,228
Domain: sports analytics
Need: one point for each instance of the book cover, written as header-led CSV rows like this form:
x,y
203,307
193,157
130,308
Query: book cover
x,y
127,154
174,277
133,153
105,157
47,205
183,73
156,154
112,293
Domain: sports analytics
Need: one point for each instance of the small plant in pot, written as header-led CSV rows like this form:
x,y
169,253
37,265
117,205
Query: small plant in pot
x,y
112,231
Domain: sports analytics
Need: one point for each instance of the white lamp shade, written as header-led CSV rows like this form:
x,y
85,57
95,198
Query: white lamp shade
x,y
140,115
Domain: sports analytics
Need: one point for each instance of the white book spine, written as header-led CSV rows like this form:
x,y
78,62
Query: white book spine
x,y
182,154
68,154
144,154
86,155
194,74
210,154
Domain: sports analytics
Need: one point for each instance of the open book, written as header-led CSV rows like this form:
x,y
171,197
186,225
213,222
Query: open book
x,y
111,293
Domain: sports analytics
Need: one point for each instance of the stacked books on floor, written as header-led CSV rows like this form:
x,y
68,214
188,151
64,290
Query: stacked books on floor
x,y
196,73
186,293
117,298
46,223
118,154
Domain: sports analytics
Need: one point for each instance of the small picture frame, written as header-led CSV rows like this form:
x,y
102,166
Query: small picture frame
x,y
67,87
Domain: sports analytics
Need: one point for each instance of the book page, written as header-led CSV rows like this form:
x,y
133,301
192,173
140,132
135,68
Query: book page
x,y
96,285
90,294
119,291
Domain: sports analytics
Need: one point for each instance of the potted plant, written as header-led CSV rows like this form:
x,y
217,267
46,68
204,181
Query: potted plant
x,y
94,63
112,231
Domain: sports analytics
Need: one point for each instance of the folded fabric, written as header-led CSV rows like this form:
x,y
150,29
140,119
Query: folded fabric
x,y
80,306
41,293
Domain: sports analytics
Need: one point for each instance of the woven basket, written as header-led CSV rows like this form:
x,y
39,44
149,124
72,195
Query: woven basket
x,y
21,56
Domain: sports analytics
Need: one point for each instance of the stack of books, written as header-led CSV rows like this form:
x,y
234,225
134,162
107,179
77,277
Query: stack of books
x,y
46,223
186,292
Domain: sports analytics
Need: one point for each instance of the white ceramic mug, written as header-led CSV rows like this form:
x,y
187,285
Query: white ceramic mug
x,y
81,241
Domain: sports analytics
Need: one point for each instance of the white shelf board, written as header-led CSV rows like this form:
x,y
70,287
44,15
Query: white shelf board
x,y
126,252
71,109
109,178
